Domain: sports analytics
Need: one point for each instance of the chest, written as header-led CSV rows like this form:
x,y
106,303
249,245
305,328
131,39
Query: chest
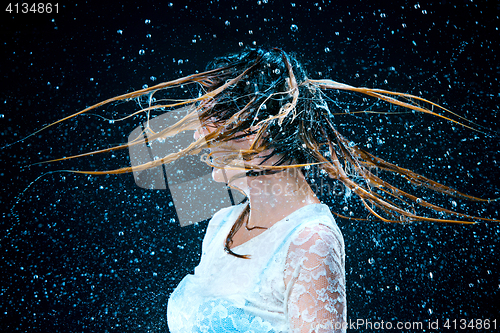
x,y
244,235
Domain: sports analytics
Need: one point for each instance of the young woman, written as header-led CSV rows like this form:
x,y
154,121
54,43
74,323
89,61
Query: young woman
x,y
275,262
294,278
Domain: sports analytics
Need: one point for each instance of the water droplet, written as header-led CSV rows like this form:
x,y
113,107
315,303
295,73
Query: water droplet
x,y
418,200
371,261
294,28
120,31
152,78
180,62
327,50
148,36
170,4
147,21
429,311
142,52
227,23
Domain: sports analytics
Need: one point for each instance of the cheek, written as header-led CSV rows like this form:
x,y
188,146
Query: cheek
x,y
240,145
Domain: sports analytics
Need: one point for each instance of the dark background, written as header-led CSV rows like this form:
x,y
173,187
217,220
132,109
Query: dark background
x,y
98,254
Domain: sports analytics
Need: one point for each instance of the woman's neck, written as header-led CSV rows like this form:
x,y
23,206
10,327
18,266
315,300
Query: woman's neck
x,y
275,196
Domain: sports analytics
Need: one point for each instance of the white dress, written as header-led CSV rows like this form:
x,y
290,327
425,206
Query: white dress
x,y
293,282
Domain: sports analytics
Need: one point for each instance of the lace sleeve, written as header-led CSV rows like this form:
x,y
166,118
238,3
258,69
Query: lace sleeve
x,y
315,281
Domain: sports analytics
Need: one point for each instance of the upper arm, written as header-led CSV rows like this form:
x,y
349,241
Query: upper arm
x,y
315,281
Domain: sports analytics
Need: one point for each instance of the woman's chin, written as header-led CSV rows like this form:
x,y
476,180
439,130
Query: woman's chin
x,y
218,175
223,176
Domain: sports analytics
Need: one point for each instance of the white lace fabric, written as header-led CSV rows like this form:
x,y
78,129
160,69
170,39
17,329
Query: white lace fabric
x,y
294,281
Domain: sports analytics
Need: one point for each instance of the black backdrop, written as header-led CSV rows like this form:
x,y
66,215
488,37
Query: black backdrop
x,y
98,254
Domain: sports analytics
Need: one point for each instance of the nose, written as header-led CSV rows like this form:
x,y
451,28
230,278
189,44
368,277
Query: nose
x,y
203,131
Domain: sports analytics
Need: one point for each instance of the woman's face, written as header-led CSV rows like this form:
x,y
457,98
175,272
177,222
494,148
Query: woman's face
x,y
223,175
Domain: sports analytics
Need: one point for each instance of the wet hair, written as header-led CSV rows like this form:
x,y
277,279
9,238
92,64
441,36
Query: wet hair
x,y
269,98
266,93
